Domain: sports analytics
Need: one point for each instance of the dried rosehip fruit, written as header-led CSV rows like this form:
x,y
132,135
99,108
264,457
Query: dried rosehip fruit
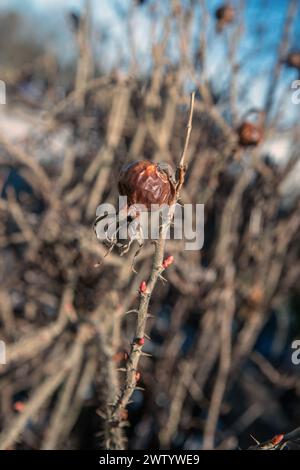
x,y
146,183
249,134
224,15
293,59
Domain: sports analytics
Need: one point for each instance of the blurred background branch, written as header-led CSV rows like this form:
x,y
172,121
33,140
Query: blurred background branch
x,y
96,89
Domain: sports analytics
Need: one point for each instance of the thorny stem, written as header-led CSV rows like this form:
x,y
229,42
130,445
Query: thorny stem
x,y
130,383
136,350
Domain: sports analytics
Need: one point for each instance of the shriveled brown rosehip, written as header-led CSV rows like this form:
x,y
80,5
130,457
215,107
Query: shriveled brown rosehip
x,y
225,15
249,134
293,60
145,182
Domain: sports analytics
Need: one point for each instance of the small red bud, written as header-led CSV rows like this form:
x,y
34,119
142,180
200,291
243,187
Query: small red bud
x,y
168,261
137,376
143,287
124,415
140,341
120,356
19,406
277,439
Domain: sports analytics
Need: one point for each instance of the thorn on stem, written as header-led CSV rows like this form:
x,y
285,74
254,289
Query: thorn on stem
x,y
146,354
255,440
131,311
161,278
